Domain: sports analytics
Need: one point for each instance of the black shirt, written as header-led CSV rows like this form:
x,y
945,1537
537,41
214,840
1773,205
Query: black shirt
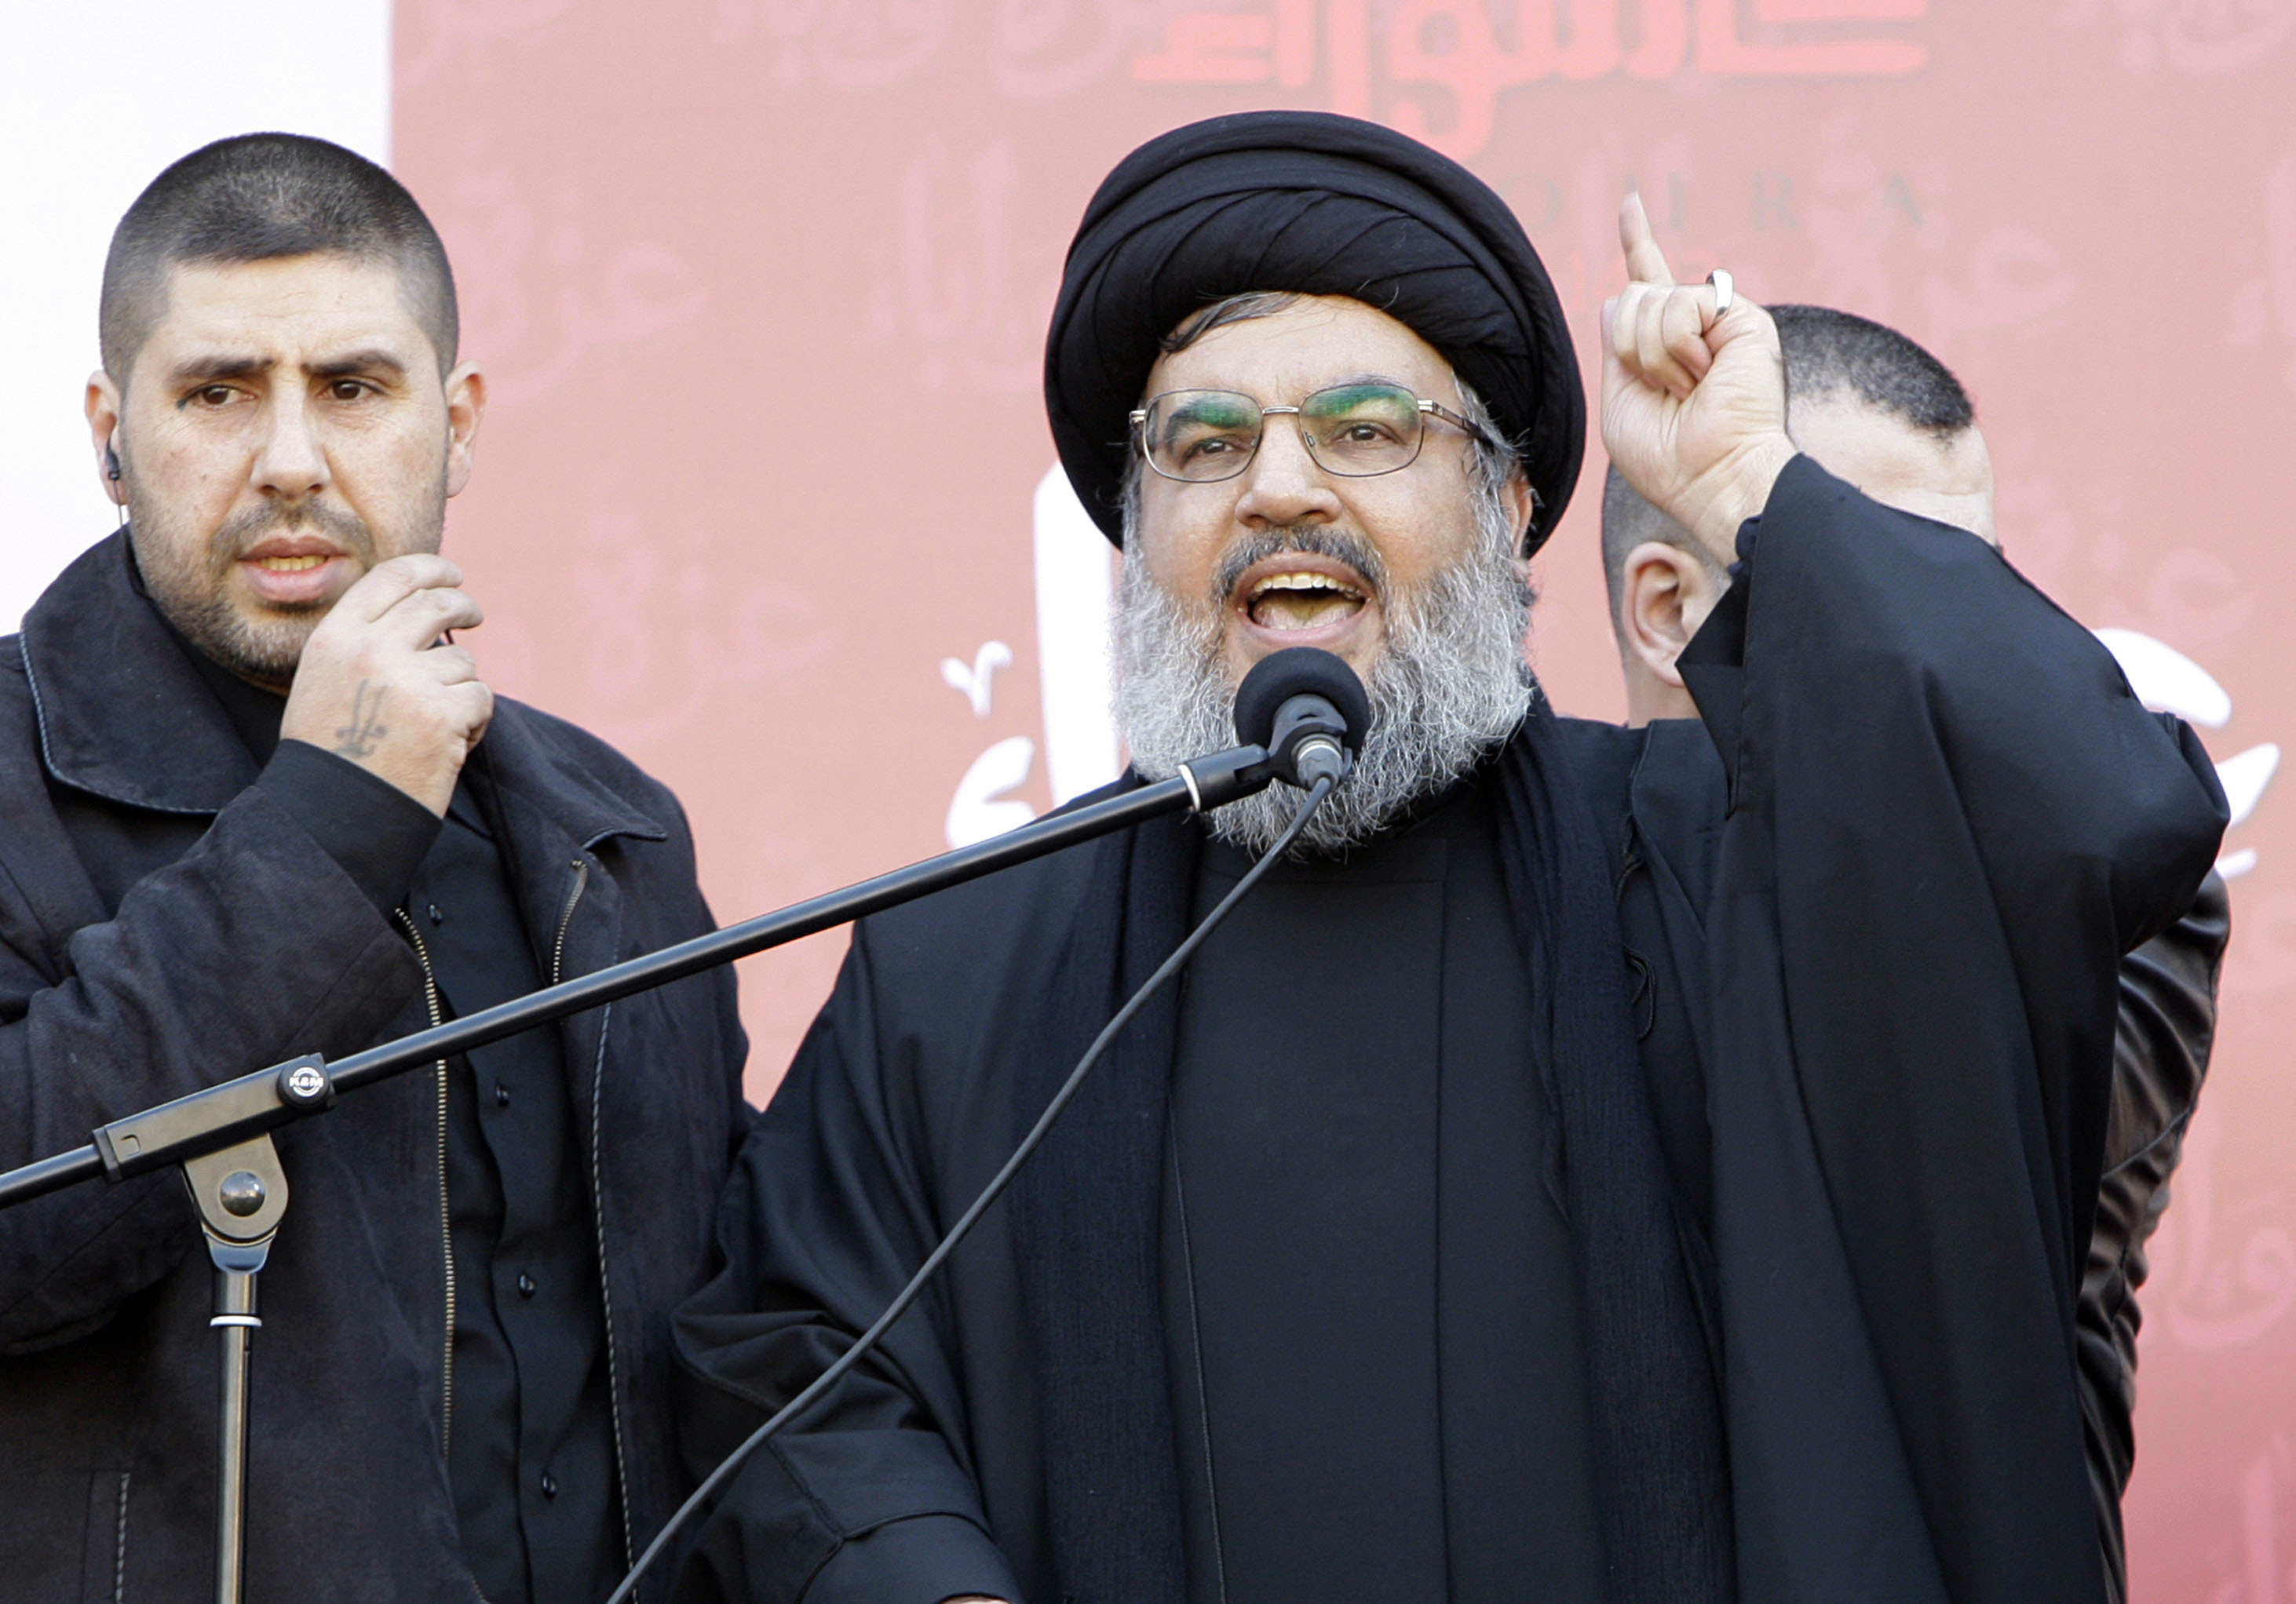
x,y
530,1447
1369,1300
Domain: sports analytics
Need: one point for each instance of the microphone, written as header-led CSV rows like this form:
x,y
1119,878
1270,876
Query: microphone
x,y
1306,708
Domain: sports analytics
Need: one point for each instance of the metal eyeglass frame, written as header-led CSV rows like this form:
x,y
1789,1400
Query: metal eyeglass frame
x,y
1427,408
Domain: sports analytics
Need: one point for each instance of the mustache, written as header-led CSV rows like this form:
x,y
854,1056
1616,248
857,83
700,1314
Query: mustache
x,y
243,531
1315,540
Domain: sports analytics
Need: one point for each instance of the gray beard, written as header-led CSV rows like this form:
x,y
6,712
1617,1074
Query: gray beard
x,y
1451,686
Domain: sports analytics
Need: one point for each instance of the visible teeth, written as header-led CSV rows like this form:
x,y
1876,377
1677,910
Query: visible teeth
x,y
1301,599
290,565
1304,582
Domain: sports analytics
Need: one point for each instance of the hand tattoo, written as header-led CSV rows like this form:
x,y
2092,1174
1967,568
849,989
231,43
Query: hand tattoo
x,y
365,732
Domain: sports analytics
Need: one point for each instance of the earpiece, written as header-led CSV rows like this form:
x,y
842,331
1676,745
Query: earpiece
x,y
111,472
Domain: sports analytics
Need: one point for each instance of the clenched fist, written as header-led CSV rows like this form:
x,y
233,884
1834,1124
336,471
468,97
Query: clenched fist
x,y
1693,400
375,686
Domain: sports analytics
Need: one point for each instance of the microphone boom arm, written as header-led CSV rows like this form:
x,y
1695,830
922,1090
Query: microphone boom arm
x,y
235,1111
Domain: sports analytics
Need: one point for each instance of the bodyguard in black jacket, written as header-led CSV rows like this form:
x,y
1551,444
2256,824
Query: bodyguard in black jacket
x,y
459,1388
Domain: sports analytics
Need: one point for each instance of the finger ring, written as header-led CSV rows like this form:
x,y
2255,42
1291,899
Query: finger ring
x,y
1724,290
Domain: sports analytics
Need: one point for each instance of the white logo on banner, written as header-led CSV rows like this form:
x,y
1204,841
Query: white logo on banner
x,y
1075,582
976,681
2167,681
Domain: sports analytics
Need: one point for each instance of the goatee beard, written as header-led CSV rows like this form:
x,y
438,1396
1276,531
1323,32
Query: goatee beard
x,y
1450,687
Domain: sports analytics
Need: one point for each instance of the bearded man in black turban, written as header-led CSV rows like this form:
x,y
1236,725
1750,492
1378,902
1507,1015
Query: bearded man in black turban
x,y
1604,1166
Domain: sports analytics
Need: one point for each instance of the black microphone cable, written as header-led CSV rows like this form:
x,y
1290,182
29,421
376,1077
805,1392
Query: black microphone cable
x,y
958,1232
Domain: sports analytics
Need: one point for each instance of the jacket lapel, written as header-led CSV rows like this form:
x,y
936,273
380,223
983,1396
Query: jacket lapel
x,y
559,821
112,688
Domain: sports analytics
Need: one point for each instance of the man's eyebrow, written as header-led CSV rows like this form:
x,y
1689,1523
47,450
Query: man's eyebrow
x,y
374,360
208,370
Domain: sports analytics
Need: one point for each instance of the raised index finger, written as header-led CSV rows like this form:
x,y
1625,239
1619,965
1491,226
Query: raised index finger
x,y
1646,262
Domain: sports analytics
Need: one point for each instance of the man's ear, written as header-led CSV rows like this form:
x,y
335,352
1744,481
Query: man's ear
x,y
1664,595
466,405
103,406
1522,506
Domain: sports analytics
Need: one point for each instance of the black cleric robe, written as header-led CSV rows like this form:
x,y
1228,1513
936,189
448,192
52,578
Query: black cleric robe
x,y
1370,1312
1872,916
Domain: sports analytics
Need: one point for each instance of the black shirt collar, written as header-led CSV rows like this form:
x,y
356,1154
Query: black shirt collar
x,y
253,711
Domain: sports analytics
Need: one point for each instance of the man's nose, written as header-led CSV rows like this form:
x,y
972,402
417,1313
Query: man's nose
x,y
292,461
1283,484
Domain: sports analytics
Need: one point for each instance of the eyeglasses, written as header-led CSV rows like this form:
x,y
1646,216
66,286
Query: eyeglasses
x,y
1204,436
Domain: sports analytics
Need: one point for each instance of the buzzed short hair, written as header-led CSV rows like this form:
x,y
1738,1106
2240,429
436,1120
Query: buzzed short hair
x,y
1826,352
260,197
1629,521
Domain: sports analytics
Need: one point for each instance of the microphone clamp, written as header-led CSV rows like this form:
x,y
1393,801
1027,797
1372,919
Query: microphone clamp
x,y
1319,757
1309,741
1308,752
1219,778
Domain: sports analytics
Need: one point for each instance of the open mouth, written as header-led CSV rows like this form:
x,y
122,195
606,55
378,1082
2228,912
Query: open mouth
x,y
295,570
1301,598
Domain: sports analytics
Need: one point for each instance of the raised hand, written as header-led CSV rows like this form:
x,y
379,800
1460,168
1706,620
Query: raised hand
x,y
375,686
1693,400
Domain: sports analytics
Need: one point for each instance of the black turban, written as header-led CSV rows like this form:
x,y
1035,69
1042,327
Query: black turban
x,y
1318,205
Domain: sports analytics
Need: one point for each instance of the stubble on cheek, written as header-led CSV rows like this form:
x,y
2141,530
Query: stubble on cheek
x,y
198,588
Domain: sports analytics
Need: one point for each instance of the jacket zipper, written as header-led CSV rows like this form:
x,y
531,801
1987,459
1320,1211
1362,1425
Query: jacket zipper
x,y
566,918
581,882
120,1547
445,1212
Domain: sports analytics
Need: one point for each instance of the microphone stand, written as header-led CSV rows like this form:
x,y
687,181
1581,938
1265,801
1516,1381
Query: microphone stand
x,y
221,1136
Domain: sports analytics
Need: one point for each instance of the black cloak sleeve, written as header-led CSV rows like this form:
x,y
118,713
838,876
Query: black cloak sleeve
x,y
829,1209
946,1463
1948,819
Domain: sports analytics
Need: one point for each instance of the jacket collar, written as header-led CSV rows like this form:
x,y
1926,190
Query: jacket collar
x,y
537,764
125,714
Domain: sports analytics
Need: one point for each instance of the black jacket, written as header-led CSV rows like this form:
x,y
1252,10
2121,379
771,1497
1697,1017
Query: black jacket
x,y
164,922
2161,1055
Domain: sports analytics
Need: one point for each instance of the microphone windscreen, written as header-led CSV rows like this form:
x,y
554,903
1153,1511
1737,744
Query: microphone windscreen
x,y
1299,671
